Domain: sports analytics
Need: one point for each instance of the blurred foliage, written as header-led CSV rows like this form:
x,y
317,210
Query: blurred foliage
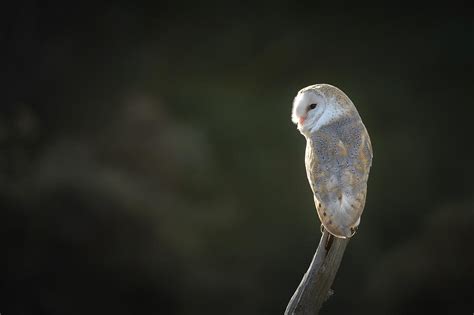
x,y
149,165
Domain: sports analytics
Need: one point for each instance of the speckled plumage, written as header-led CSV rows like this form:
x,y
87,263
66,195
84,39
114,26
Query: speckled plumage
x,y
338,157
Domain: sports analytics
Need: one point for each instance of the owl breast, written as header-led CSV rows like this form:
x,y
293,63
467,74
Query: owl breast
x,y
338,160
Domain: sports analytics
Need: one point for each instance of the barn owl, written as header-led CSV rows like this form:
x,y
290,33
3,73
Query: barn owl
x,y
338,155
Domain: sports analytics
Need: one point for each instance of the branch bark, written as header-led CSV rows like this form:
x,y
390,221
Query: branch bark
x,y
315,287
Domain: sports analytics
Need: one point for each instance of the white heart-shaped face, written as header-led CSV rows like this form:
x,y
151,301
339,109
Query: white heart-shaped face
x,y
312,110
306,105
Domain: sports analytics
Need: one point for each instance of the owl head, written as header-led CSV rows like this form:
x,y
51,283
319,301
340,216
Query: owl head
x,y
318,105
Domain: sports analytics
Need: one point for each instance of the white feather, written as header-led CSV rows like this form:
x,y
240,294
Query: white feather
x,y
325,112
332,112
299,107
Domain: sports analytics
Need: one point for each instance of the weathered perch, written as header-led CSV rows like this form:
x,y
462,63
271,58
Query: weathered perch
x,y
315,287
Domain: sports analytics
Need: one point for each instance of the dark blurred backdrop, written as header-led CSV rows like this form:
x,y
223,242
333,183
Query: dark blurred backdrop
x,y
148,164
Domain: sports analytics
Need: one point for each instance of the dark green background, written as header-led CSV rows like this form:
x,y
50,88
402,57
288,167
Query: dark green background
x,y
148,164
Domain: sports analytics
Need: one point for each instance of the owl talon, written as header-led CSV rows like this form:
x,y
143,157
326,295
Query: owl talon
x,y
353,231
330,293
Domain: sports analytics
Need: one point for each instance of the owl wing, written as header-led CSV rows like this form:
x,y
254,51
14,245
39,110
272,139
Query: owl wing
x,y
338,160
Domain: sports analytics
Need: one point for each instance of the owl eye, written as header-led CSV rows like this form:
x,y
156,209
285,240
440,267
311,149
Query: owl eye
x,y
312,106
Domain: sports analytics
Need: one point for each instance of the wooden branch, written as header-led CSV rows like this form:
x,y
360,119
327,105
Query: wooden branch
x,y
315,287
